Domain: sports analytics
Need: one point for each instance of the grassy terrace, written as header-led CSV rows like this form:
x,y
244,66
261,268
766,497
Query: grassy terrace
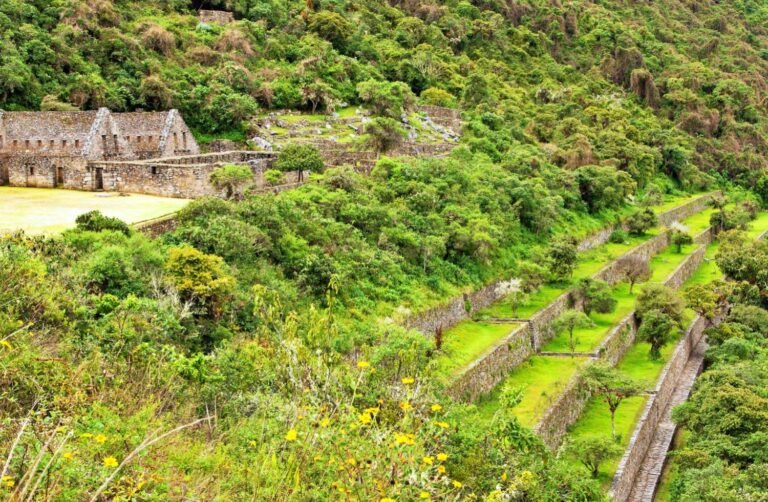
x,y
637,364
468,340
48,211
541,377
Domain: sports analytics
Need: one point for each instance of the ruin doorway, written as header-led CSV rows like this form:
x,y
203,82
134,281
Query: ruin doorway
x,y
59,176
99,178
4,173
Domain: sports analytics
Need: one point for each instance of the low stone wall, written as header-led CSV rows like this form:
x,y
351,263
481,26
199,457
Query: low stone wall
x,y
613,272
541,322
446,117
634,455
563,413
486,372
157,226
686,210
619,340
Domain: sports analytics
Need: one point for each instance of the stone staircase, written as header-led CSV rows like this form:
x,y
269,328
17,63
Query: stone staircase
x,y
648,478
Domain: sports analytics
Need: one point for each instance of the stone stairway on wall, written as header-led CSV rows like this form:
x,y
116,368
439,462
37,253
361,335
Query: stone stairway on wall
x,y
648,477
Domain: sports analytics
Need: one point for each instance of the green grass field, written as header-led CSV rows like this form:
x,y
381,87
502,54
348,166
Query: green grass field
x,y
467,342
542,379
48,211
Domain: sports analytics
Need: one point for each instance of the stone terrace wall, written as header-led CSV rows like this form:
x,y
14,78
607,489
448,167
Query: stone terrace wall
x,y
686,210
446,117
634,455
157,226
216,16
612,273
561,415
485,373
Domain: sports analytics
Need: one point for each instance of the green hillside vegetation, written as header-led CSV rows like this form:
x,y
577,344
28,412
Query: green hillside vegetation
x,y
256,351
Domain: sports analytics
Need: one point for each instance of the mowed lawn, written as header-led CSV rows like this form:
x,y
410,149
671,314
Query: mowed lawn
x,y
48,211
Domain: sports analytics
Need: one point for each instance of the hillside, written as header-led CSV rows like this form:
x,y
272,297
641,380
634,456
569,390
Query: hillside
x,y
261,348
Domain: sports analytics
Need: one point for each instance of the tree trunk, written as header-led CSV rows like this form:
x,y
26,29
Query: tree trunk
x,y
613,423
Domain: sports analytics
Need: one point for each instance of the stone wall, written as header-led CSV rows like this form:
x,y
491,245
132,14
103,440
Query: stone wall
x,y
613,272
560,416
686,210
635,453
563,413
446,117
157,226
216,16
485,373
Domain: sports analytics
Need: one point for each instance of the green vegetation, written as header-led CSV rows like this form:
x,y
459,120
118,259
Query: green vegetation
x,y
262,335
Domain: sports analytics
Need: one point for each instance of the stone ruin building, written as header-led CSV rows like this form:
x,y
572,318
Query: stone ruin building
x,y
144,152
215,16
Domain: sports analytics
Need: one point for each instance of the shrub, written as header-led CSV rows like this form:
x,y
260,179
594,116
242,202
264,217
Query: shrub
x,y
618,236
232,178
640,222
94,221
273,177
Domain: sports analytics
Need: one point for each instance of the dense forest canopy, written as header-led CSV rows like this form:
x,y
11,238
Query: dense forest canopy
x,y
277,320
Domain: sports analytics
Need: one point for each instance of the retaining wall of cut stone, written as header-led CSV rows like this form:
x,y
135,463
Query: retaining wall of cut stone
x,y
634,455
568,408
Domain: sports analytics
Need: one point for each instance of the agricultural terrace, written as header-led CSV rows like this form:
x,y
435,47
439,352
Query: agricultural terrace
x,y
637,365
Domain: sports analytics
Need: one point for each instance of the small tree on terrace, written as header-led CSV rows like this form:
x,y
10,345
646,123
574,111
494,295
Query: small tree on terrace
x,y
232,178
595,295
612,386
569,321
592,451
634,269
659,311
512,289
679,236
300,158
562,256
640,222
656,329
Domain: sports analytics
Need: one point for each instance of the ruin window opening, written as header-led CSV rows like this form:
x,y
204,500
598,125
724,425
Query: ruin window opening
x,y
53,143
39,143
184,140
77,143
31,170
26,144
63,143
15,144
138,139
154,170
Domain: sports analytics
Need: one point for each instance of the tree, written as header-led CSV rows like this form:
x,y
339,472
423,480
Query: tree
x,y
388,99
679,236
232,178
592,451
656,329
318,93
612,385
634,269
512,289
200,278
569,321
641,221
331,26
300,158
661,298
384,134
95,221
603,187
532,274
562,256
708,300
595,295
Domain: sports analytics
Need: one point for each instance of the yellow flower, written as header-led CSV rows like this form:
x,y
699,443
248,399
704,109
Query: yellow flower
x,y
363,364
8,481
442,457
442,425
408,380
351,461
457,484
405,405
291,435
504,476
424,495
427,460
436,407
100,438
372,411
441,469
387,499
252,444
110,462
68,456
365,418
325,422
404,438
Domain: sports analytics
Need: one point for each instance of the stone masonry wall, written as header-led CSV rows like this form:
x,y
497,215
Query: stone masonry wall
x,y
634,455
563,413
216,16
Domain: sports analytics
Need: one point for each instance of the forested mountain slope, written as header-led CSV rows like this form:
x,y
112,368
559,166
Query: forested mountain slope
x,y
276,319
642,86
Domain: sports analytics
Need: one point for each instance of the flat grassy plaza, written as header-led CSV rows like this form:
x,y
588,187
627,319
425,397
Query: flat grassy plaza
x,y
49,211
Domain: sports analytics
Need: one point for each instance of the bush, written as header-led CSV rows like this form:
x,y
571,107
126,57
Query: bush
x,y
640,222
618,236
273,177
94,221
